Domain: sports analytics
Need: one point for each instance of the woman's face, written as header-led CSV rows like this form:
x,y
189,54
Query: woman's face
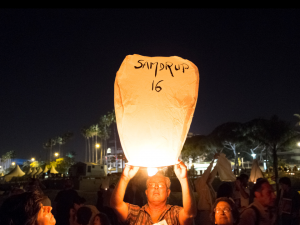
x,y
223,214
45,217
97,220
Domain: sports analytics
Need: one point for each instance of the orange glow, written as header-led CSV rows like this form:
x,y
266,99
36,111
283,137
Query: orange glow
x,y
155,99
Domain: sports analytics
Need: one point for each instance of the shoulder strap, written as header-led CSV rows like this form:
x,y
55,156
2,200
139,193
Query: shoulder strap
x,y
257,214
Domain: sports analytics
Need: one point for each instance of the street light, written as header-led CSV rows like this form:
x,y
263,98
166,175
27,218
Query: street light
x,y
97,145
56,154
298,143
32,159
13,163
253,155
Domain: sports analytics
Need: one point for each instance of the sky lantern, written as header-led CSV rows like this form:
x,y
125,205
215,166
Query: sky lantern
x,y
155,99
255,172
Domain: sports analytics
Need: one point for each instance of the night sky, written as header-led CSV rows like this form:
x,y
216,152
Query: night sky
x,y
58,66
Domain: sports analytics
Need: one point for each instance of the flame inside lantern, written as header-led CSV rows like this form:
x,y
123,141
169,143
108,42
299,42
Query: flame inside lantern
x,y
152,171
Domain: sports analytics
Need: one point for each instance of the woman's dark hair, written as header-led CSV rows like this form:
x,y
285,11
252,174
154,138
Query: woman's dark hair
x,y
103,219
225,190
84,215
79,200
234,211
21,209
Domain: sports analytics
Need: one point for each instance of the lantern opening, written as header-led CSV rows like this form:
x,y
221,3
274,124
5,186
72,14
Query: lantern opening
x,y
151,171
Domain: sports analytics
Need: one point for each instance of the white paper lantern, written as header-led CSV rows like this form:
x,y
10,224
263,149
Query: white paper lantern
x,y
155,99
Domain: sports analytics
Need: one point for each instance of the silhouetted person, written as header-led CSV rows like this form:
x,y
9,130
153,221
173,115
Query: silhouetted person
x,y
84,216
133,194
225,190
77,205
288,201
101,219
64,202
206,193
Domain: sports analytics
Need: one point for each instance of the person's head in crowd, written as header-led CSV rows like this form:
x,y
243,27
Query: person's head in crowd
x,y
83,215
225,212
225,190
285,183
78,202
26,209
112,186
244,179
68,184
264,193
158,188
16,191
34,185
101,219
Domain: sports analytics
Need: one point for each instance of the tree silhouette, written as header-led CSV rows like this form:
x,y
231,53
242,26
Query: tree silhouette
x,y
276,135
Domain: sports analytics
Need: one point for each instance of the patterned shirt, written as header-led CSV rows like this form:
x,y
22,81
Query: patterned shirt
x,y
138,215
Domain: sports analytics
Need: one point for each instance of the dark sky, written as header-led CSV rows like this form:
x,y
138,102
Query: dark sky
x,y
58,66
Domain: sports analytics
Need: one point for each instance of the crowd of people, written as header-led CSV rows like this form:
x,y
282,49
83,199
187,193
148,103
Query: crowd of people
x,y
234,203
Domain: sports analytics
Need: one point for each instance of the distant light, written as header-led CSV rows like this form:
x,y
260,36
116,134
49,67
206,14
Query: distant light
x,y
13,163
152,171
253,155
298,143
56,154
32,159
97,145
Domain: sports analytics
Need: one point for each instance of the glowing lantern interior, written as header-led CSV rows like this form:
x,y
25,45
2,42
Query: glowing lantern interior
x,y
152,171
155,99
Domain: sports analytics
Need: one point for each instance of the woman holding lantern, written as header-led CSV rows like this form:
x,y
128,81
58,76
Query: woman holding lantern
x,y
158,190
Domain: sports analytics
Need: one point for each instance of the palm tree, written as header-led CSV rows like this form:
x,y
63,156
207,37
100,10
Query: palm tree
x,y
66,137
48,145
96,134
7,157
298,122
88,135
112,118
92,134
105,122
84,132
59,141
